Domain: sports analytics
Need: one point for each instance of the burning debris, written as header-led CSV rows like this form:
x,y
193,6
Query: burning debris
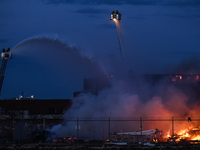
x,y
190,134
69,140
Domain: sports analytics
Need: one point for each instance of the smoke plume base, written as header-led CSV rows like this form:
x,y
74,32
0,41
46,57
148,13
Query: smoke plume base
x,y
122,101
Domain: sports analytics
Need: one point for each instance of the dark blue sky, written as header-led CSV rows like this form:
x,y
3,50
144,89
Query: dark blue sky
x,y
157,34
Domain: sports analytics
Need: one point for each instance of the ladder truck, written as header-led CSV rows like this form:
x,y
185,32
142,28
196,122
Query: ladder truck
x,y
5,55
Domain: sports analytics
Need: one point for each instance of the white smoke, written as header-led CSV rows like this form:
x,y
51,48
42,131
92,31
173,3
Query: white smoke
x,y
121,102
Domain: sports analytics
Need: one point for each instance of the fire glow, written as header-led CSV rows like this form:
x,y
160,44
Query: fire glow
x,y
187,134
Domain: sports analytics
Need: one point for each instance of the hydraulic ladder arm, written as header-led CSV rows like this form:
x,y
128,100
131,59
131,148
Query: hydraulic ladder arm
x,y
5,55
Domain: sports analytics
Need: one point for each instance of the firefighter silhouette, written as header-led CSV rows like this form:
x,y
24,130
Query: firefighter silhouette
x,y
189,119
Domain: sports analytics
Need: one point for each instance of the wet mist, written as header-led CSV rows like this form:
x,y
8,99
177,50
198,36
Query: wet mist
x,y
48,68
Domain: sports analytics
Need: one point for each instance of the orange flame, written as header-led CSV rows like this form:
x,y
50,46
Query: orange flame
x,y
189,133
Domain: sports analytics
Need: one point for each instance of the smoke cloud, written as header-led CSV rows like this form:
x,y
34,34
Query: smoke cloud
x,y
127,98
188,66
123,102
130,98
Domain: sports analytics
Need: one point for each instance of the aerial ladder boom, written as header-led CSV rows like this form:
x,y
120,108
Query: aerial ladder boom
x,y
5,55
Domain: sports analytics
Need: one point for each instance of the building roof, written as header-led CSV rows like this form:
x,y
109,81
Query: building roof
x,y
37,106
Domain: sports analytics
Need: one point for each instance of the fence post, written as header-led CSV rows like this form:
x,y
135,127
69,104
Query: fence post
x,y
77,131
141,128
109,128
172,127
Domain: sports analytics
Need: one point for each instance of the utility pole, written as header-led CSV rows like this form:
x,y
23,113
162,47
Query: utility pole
x,y
77,131
141,128
22,106
22,121
109,128
172,127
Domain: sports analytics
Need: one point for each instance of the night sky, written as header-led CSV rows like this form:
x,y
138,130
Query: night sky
x,y
156,35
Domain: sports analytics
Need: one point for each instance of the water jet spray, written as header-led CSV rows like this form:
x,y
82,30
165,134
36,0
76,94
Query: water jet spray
x,y
116,17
